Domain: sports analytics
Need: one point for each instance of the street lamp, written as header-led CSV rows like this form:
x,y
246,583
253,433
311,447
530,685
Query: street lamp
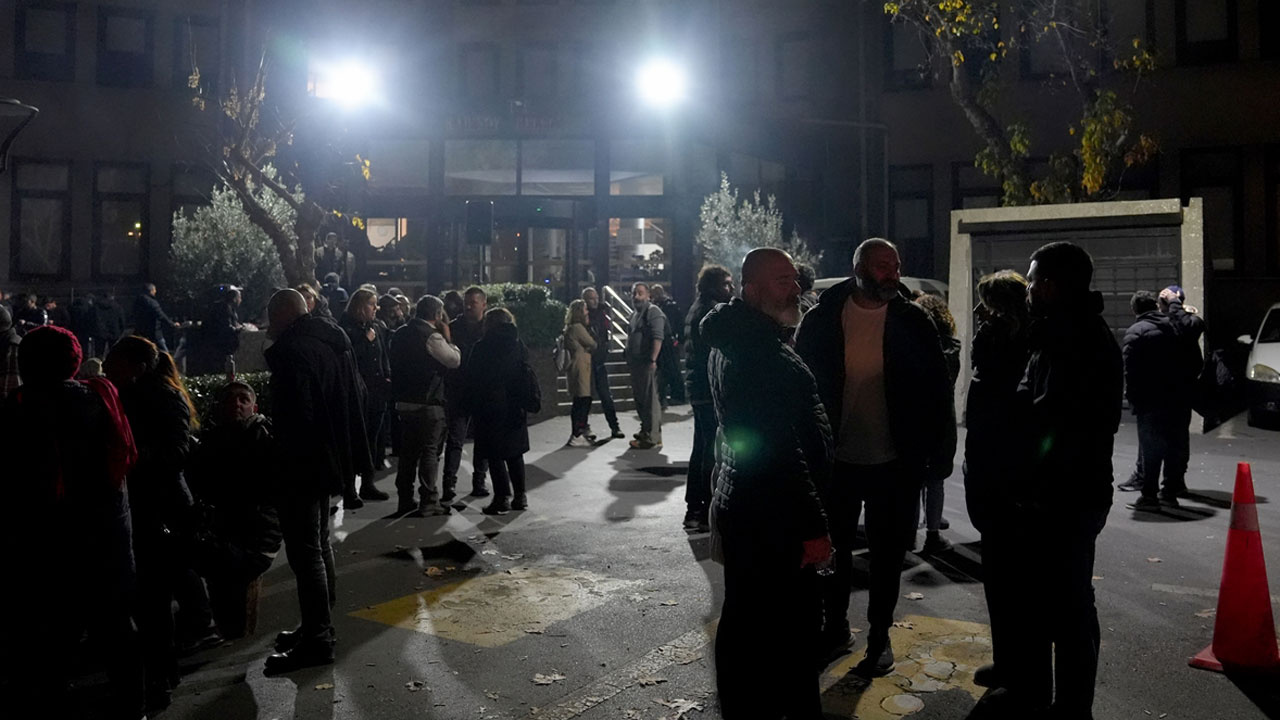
x,y
16,115
349,83
661,83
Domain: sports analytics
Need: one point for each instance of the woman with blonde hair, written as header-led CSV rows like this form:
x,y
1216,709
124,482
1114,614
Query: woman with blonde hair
x,y
580,344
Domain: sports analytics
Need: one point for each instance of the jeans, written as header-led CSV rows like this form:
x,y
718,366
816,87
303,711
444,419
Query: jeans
x,y
422,434
1163,440
670,380
702,460
759,630
304,522
891,494
579,413
644,388
508,475
600,382
459,424
932,496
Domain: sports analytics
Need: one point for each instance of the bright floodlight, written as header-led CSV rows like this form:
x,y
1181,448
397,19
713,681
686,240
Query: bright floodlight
x,y
661,83
348,83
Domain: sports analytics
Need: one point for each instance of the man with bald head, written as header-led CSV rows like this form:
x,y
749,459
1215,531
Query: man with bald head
x,y
884,382
317,403
767,520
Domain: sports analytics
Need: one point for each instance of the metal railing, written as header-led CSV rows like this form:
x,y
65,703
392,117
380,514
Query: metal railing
x,y
620,312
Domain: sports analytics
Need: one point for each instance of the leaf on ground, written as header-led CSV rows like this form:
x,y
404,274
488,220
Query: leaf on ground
x,y
491,694
513,556
533,631
325,686
555,676
489,551
1153,560
681,706
1096,578
632,714
914,596
905,625
401,548
433,571
669,603
648,680
414,685
1207,613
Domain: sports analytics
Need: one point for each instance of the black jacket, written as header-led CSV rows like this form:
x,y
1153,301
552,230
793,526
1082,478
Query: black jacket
x,y
775,449
416,377
149,319
161,424
465,335
697,352
993,466
917,389
110,320
1070,403
1155,364
372,361
675,321
84,321
317,402
601,324
232,480
495,384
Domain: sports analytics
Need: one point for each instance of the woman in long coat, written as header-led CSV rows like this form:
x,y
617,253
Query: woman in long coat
x,y
499,391
580,344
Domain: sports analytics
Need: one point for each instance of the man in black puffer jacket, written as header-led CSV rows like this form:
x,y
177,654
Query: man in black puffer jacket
x,y
715,286
1158,388
768,521
884,382
317,403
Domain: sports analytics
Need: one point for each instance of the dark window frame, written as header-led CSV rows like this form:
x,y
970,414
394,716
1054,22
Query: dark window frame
x,y
181,67
15,220
753,88
177,199
144,246
119,69
1237,189
926,195
1206,52
779,87
44,66
958,193
495,51
525,48
895,79
595,150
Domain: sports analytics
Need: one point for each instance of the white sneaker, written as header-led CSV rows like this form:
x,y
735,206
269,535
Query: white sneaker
x,y
579,441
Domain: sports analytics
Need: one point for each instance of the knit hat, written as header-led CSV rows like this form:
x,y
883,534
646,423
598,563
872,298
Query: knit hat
x,y
48,354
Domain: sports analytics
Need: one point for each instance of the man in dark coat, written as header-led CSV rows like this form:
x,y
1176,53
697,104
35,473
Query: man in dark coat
x,y
884,382
767,520
1159,391
317,402
1069,403
465,330
149,319
601,329
500,391
715,286
670,384
110,323
84,323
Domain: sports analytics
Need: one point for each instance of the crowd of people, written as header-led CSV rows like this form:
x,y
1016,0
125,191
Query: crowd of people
x,y
811,413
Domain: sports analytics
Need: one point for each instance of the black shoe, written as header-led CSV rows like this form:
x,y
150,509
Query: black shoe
x,y
479,491
879,660
286,640
352,502
1167,499
944,524
692,518
935,543
987,676
431,509
617,434
405,508
158,698
210,640
447,497
499,506
369,492
302,656
1131,485
645,444
520,502
1145,502
833,644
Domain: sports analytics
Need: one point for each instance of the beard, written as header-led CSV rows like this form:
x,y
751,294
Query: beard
x,y
874,291
786,313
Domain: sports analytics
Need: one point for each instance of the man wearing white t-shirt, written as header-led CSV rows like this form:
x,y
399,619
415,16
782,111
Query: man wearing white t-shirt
x,y
884,383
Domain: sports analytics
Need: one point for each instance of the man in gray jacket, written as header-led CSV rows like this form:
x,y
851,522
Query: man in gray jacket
x,y
644,343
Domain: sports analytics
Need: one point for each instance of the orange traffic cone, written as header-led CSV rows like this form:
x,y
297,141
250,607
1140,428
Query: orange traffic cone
x,y
1244,634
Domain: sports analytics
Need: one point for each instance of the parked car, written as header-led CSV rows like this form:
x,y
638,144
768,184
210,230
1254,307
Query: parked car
x,y
928,286
1262,369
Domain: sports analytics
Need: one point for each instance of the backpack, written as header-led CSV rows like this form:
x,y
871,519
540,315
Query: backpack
x,y
531,392
562,356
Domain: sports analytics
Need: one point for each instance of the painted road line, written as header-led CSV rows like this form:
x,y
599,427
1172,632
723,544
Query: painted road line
x,y
684,650
1198,592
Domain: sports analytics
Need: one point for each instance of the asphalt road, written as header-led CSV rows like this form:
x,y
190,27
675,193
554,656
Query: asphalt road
x,y
596,604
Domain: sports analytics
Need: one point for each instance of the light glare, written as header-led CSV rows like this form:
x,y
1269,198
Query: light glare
x,y
661,83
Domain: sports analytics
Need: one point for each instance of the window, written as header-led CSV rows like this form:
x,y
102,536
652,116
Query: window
x,y
480,167
557,167
636,167
40,223
536,71
1215,176
970,188
120,202
572,71
196,42
639,250
744,172
125,47
906,57
1206,31
738,74
45,41
479,77
911,215
192,188
399,166
795,70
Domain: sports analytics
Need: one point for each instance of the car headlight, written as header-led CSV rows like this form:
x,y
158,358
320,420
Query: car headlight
x,y
1262,373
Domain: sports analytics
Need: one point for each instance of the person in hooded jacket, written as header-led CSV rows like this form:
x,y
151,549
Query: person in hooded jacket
x,y
715,286
499,394
317,403
933,495
766,517
369,344
77,449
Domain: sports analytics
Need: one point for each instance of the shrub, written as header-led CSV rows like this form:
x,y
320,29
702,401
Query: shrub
x,y
203,389
540,318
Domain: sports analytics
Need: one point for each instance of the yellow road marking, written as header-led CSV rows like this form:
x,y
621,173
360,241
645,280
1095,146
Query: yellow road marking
x,y
934,655
493,610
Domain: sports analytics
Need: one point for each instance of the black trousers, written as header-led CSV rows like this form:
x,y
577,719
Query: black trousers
x,y
158,575
760,629
891,494
1163,441
670,379
508,476
600,383
579,413
304,522
702,460
459,425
